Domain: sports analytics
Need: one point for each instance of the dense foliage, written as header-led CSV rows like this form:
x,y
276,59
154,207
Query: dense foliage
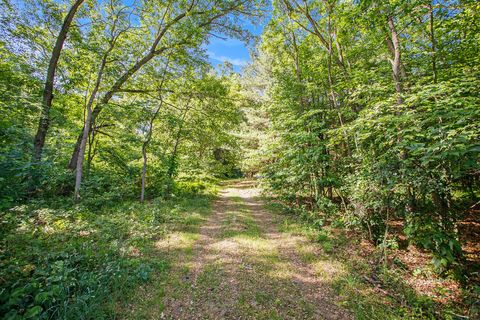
x,y
135,76
70,261
374,110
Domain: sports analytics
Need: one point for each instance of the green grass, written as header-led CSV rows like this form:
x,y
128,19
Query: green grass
x,y
241,218
74,261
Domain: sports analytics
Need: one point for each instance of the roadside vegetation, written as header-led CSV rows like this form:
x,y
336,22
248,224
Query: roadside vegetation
x,y
82,261
369,289
370,124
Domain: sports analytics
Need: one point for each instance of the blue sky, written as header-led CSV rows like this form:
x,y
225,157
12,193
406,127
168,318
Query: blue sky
x,y
232,50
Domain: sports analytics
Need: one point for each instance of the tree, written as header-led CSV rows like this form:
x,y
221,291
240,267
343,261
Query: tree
x,y
188,24
44,121
353,91
115,31
149,132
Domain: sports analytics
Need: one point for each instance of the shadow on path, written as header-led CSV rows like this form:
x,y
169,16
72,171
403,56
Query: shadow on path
x,y
242,267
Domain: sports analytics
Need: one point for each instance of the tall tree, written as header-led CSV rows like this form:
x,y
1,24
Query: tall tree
x,y
396,61
149,132
187,25
115,32
44,121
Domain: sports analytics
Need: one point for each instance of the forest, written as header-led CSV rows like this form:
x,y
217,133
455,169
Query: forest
x,y
334,174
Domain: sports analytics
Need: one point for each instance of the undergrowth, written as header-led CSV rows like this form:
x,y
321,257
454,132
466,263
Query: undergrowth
x,y
64,260
369,291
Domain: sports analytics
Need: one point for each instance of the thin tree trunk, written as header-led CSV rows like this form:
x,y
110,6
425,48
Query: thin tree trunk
x,y
396,62
145,145
298,70
391,48
397,76
144,172
433,41
83,144
341,58
171,169
335,103
91,149
88,122
44,122
296,59
149,135
173,157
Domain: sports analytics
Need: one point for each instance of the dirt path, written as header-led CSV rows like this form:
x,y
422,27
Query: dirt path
x,y
242,267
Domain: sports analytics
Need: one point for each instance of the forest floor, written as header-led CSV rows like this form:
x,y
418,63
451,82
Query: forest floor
x,y
239,265
247,260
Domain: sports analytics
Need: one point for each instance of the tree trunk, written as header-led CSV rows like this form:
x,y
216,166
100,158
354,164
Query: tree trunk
x,y
72,164
296,59
145,145
336,104
173,158
172,166
44,122
91,149
83,144
144,172
396,62
88,124
298,70
433,41
149,134
391,48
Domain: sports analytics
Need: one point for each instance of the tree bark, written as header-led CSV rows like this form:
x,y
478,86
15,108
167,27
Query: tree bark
x,y
88,123
44,122
433,42
397,61
391,48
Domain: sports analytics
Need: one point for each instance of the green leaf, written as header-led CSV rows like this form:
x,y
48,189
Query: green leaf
x,y
33,311
41,297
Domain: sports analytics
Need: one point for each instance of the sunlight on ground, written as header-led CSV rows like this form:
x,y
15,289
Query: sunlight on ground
x,y
177,241
238,264
243,266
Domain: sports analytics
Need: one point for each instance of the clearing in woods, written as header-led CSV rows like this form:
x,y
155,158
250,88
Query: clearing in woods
x,y
239,265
